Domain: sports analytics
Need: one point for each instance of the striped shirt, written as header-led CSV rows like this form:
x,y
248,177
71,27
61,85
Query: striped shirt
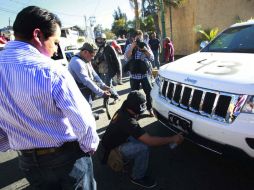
x,y
40,103
139,55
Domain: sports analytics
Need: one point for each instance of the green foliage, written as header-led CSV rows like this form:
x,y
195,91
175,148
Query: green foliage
x,y
118,14
208,34
119,26
147,24
109,34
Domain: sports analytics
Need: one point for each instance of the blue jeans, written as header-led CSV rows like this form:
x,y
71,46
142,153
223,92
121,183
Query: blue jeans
x,y
66,170
107,80
156,62
147,87
139,152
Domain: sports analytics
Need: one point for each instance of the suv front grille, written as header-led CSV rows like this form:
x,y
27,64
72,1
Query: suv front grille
x,y
208,103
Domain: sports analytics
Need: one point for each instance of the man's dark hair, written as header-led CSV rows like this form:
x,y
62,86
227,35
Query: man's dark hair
x,y
33,17
134,33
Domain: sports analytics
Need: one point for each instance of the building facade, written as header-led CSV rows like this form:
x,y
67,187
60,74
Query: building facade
x,y
207,13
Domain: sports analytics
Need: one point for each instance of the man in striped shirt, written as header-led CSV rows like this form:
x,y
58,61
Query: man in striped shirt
x,y
43,115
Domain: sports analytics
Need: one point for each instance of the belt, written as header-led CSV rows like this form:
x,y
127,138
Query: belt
x,y
46,151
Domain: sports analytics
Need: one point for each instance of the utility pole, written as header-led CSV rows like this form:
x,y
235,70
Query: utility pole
x,y
92,21
86,32
162,19
163,30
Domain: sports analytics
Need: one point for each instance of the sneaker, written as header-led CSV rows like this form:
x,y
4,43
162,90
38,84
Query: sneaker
x,y
144,182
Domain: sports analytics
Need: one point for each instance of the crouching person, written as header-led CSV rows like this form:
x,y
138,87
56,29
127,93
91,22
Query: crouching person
x,y
125,134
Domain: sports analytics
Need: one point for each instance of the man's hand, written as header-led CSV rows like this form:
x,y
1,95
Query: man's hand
x,y
178,139
106,94
133,45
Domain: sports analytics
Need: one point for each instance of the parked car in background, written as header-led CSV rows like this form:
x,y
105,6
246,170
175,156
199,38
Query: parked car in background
x,y
121,42
209,95
70,51
60,56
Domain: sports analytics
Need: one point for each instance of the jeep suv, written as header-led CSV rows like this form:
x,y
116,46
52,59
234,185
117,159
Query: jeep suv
x,y
209,95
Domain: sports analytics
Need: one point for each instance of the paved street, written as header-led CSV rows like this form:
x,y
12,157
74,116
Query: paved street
x,y
187,167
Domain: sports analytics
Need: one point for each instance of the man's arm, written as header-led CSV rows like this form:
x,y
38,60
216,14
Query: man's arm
x,y
128,51
158,141
82,73
74,106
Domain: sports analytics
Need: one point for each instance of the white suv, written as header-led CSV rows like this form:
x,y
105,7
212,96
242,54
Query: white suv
x,y
209,95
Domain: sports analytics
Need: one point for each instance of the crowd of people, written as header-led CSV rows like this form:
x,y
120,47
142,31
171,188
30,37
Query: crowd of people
x,y
46,111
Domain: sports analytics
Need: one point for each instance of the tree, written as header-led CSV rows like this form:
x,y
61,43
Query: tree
x,y
135,5
119,26
150,8
173,4
147,24
109,34
118,14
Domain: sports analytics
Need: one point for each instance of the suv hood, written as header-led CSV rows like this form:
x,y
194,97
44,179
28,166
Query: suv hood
x,y
227,72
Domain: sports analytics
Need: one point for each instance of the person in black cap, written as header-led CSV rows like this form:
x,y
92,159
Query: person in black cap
x,y
125,134
85,76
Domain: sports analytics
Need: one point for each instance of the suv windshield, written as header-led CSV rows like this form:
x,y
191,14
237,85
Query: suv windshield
x,y
236,39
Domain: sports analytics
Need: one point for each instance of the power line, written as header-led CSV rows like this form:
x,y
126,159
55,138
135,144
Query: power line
x,y
99,1
7,10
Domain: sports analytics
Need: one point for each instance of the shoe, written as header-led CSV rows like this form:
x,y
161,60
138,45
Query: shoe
x,y
144,182
151,114
113,103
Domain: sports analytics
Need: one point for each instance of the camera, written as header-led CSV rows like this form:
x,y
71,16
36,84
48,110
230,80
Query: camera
x,y
140,44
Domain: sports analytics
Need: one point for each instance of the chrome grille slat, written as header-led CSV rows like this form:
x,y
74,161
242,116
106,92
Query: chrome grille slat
x,y
208,103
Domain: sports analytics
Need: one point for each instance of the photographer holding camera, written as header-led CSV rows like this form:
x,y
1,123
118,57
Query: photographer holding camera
x,y
141,56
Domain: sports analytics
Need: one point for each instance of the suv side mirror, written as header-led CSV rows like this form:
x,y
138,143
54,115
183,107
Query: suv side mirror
x,y
203,44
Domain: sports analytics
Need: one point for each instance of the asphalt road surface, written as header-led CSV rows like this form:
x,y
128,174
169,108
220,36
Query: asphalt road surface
x,y
187,167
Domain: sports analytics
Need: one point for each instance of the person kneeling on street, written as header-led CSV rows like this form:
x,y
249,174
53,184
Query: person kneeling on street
x,y
125,134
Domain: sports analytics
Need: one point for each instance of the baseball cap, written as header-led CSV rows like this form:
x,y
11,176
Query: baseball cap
x,y
89,47
136,101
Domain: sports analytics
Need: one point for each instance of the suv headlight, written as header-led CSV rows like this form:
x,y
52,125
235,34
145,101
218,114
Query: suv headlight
x,y
249,105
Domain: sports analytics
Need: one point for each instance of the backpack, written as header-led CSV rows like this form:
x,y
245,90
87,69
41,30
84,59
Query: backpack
x,y
115,160
137,66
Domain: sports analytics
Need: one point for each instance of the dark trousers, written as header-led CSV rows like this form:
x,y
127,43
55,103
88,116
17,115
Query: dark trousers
x,y
64,170
87,93
147,87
